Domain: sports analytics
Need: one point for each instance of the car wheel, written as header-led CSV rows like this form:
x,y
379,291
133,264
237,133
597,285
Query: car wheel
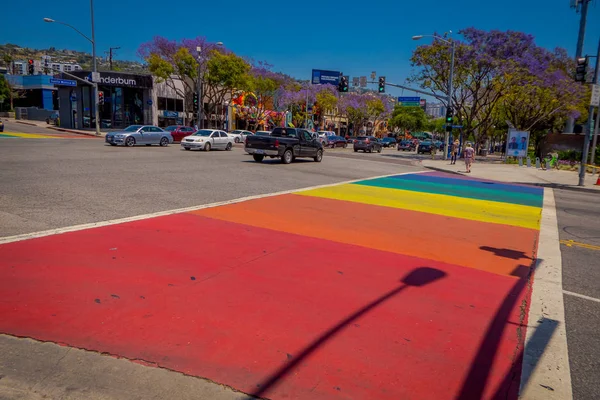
x,y
287,157
368,150
237,140
207,147
379,150
319,156
345,145
164,141
356,150
229,146
258,157
130,142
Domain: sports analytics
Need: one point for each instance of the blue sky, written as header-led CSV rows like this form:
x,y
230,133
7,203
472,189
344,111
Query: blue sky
x,y
355,37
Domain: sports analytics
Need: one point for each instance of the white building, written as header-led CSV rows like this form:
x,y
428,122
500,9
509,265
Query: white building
x,y
435,110
44,66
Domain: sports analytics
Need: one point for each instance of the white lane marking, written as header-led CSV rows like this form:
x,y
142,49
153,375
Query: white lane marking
x,y
546,358
57,231
581,296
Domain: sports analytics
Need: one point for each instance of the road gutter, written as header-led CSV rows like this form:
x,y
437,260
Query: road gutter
x,y
546,373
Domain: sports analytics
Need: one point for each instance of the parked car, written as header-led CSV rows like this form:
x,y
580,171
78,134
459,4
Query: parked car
x,y
368,144
262,133
424,147
239,136
208,139
388,142
285,143
439,144
350,139
179,131
139,135
406,145
336,141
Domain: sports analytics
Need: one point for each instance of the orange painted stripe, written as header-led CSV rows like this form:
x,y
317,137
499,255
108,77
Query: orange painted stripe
x,y
501,249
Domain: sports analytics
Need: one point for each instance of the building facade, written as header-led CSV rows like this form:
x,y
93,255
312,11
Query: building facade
x,y
435,110
127,101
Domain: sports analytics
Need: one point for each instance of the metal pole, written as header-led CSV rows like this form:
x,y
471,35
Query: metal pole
x,y
570,127
95,69
590,127
450,87
199,90
306,118
595,132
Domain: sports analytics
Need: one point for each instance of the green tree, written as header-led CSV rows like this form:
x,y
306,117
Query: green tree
x,y
408,118
4,91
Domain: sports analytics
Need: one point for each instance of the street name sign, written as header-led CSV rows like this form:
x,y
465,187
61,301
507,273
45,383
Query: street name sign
x,y
595,100
63,82
409,101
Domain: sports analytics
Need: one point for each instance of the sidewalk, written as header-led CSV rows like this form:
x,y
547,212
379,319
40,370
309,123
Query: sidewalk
x,y
43,124
515,174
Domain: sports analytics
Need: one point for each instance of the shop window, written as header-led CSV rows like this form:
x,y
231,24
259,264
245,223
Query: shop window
x,y
162,103
178,105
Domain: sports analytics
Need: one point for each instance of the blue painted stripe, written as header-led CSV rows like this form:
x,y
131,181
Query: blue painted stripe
x,y
472,183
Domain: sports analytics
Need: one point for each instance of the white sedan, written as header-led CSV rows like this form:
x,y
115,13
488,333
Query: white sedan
x,y
239,136
207,139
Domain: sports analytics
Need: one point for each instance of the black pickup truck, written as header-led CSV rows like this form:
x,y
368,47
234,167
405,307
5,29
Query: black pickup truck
x,y
285,143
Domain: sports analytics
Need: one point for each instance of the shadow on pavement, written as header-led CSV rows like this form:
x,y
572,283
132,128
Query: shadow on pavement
x,y
416,278
506,253
562,186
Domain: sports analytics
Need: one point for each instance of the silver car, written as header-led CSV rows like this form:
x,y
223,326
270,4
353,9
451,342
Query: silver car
x,y
207,139
139,135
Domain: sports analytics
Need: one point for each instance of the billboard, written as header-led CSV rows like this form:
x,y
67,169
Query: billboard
x,y
518,143
321,77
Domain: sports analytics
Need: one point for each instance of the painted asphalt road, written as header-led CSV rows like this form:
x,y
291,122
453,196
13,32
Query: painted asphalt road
x,y
579,221
363,290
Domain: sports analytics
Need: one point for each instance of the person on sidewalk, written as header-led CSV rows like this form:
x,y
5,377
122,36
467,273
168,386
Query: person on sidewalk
x,y
454,152
469,155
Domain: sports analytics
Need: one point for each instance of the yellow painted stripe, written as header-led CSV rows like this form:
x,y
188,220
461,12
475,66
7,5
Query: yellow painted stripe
x,y
457,207
29,135
571,243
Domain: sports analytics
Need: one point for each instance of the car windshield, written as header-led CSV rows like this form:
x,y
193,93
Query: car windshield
x,y
132,128
171,128
203,132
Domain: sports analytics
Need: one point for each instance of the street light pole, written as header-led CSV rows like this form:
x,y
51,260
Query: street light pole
x,y
199,91
94,63
452,44
95,71
590,127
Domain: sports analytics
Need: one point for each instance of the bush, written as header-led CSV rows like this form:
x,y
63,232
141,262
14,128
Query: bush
x,y
569,155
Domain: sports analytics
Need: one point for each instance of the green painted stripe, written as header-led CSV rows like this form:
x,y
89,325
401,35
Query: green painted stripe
x,y
502,196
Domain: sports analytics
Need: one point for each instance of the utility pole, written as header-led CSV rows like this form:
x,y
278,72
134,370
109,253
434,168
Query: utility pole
x,y
579,5
110,56
199,90
590,126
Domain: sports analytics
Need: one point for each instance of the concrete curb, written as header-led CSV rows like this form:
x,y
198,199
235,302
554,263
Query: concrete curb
x,y
75,132
26,123
546,372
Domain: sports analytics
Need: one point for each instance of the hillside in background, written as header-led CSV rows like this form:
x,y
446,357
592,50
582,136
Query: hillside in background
x,y
12,52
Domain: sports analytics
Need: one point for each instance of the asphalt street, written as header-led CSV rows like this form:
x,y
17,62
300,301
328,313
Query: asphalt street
x,y
52,183
579,221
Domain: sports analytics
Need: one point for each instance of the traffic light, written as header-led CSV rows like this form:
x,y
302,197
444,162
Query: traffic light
x,y
581,69
195,102
382,84
343,85
30,67
449,119
100,98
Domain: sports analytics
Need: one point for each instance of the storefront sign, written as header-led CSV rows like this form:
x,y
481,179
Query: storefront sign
x,y
170,114
118,79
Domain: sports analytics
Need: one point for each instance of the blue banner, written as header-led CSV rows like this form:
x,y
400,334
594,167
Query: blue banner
x,y
409,99
320,77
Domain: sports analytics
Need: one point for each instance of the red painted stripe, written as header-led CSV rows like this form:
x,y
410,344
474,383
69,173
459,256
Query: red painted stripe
x,y
257,299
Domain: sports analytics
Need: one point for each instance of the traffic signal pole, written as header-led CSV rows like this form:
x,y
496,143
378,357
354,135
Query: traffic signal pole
x,y
450,88
590,127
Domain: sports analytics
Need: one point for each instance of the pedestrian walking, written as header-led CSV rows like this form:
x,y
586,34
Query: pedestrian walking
x,y
454,152
469,155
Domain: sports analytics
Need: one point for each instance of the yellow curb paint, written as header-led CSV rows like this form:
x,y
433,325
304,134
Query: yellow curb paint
x,y
457,207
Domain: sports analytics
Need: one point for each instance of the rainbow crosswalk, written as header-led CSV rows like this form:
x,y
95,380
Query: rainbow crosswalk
x,y
19,135
308,295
